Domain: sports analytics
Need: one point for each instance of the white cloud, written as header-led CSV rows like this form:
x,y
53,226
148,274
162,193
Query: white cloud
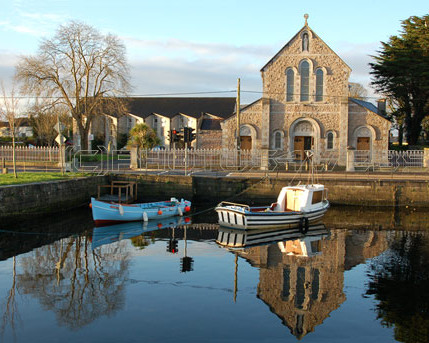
x,y
31,18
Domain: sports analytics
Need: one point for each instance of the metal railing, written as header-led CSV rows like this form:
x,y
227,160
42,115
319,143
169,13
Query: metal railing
x,y
103,160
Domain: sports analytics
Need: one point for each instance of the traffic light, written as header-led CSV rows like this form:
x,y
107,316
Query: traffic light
x,y
186,264
188,135
185,134
172,246
192,136
174,136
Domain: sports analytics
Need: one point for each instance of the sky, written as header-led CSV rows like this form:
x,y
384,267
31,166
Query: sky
x,y
192,47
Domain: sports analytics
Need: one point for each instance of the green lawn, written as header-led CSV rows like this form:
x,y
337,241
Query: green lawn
x,y
8,179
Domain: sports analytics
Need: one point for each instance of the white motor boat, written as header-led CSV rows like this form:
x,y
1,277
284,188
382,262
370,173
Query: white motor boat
x,y
296,206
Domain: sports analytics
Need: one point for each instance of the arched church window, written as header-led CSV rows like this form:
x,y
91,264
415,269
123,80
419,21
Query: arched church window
x,y
305,80
277,140
330,141
305,42
290,79
319,85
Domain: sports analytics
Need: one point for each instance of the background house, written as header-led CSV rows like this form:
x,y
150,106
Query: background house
x,y
23,130
165,114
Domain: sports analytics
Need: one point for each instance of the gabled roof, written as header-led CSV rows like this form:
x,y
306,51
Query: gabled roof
x,y
192,107
307,28
211,124
368,106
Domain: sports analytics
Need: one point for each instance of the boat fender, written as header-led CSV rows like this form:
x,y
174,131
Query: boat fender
x,y
159,212
187,209
145,218
179,210
121,210
303,225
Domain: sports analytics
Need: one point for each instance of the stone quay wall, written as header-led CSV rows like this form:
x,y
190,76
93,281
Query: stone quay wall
x,y
48,197
341,191
57,196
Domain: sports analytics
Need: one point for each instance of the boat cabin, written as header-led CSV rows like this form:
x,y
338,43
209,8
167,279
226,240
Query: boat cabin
x,y
300,198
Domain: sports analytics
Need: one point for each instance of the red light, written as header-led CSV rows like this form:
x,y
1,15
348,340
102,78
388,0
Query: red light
x,y
174,132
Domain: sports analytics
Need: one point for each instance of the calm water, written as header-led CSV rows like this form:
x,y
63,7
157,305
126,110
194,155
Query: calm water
x,y
363,277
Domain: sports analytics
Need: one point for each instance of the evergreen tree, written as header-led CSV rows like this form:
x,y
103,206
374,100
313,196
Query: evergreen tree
x,y
143,136
401,72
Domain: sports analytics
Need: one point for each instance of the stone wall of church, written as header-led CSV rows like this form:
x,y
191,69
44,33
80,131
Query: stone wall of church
x,y
320,56
283,115
209,139
250,116
327,113
361,117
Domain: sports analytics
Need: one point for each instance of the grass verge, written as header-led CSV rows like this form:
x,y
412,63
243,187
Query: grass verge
x,y
23,177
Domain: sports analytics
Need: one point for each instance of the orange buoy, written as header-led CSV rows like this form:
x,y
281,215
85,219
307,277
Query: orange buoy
x,y
159,225
159,212
90,205
187,209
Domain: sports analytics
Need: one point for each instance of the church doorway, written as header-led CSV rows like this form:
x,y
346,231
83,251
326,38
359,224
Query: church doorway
x,y
363,149
362,143
301,144
246,142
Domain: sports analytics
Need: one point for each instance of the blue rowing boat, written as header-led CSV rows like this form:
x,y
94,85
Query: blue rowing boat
x,y
105,213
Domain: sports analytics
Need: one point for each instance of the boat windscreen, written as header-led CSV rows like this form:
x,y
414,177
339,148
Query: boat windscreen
x,y
317,197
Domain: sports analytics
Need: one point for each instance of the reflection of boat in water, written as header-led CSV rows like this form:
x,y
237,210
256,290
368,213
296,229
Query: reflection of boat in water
x,y
290,240
110,234
296,205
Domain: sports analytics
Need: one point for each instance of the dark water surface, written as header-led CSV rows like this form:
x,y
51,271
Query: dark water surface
x,y
364,277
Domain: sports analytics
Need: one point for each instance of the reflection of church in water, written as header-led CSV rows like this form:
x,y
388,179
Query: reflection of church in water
x,y
302,282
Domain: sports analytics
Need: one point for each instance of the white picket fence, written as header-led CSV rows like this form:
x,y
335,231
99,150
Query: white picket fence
x,y
30,154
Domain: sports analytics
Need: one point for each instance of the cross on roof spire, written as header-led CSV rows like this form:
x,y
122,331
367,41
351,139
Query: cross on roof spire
x,y
306,17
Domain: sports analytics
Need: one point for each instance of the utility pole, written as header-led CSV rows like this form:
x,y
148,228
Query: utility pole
x,y
238,122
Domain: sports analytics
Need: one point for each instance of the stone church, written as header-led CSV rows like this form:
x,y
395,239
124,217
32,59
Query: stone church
x,y
305,106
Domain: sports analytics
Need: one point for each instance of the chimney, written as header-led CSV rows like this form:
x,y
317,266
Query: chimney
x,y
381,106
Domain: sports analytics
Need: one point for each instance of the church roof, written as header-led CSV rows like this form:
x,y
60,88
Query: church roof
x,y
368,106
171,106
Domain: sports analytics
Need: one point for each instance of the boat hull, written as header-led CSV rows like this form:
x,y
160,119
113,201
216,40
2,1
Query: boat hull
x,y
261,218
105,213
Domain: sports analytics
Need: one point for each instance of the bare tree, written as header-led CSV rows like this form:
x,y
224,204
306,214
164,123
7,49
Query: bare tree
x,y
80,68
43,120
9,112
357,91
